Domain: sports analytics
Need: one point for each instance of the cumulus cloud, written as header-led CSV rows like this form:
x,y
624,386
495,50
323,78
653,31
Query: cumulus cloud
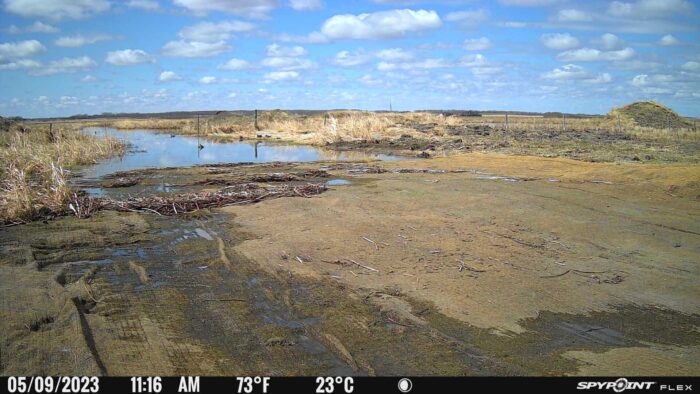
x,y
609,41
668,40
168,76
288,63
65,65
394,54
246,8
20,49
567,72
691,66
194,48
602,78
559,41
80,40
648,8
306,5
208,80
128,57
235,64
36,27
88,78
379,25
214,32
143,4
425,64
467,19
279,76
350,59
56,9
20,64
477,44
573,15
592,55
276,50
528,3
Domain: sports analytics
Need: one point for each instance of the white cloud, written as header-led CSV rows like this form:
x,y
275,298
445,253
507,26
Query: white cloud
x,y
20,64
214,32
39,27
194,48
88,78
668,40
143,4
168,76
477,44
288,63
559,41
369,80
234,64
600,79
609,41
573,15
691,66
477,60
467,19
569,71
425,64
276,50
208,80
247,8
20,49
278,76
128,57
65,65
528,3
350,59
394,54
79,40
378,25
648,8
56,9
592,55
306,5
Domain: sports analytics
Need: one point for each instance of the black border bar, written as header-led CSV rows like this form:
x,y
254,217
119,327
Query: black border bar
x,y
345,385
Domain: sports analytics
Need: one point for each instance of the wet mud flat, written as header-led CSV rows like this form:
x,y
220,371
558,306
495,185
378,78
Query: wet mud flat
x,y
207,293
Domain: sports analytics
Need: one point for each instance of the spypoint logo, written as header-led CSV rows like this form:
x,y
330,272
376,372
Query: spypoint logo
x,y
617,386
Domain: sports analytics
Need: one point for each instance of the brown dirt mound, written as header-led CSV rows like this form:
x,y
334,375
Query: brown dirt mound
x,y
651,114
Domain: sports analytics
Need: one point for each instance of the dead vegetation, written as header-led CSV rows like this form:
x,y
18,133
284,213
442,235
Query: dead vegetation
x,y
83,205
424,134
33,170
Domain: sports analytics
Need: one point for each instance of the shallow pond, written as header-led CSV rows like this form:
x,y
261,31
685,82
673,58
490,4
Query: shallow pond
x,y
153,149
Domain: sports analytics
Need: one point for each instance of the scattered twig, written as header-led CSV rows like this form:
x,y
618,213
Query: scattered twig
x,y
372,242
363,266
557,275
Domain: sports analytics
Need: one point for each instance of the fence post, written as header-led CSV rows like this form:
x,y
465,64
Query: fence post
x,y
256,120
507,126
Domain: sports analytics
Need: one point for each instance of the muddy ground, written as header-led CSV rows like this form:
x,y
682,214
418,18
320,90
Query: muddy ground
x,y
472,264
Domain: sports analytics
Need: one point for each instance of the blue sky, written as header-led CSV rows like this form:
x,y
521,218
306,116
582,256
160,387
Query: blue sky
x,y
64,57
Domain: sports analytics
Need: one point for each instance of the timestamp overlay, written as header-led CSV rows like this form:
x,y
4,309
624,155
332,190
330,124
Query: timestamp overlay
x,y
338,384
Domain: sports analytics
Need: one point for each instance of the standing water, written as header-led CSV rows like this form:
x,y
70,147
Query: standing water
x,y
157,149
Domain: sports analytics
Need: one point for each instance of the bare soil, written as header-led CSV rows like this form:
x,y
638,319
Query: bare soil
x,y
469,264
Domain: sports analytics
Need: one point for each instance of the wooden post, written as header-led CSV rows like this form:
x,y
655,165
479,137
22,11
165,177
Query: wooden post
x,y
507,127
256,120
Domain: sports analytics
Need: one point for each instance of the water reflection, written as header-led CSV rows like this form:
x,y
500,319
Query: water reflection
x,y
151,149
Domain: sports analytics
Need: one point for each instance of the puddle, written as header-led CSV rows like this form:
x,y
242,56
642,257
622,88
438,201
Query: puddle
x,y
338,182
157,149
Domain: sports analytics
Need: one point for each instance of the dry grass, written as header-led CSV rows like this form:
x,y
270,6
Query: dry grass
x,y
32,175
605,138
